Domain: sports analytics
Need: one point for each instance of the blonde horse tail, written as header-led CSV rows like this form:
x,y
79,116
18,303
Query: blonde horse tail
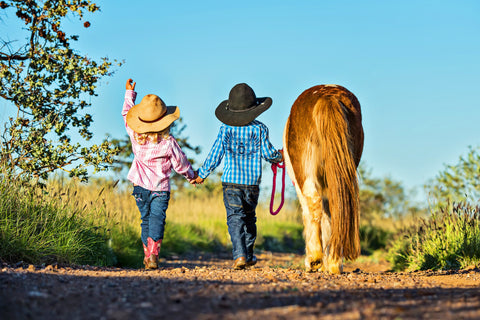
x,y
340,176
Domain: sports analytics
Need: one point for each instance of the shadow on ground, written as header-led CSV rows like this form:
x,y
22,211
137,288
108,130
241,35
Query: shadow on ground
x,y
211,293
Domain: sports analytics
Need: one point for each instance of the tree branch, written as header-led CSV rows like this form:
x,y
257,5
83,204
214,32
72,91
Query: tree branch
x,y
5,57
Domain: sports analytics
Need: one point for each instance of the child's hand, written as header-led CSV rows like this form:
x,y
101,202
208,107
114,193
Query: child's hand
x,y
129,85
194,179
199,180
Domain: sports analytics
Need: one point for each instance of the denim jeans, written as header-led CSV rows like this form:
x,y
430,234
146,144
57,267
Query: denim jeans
x,y
153,211
240,202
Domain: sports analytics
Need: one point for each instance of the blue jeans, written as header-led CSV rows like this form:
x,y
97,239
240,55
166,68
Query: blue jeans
x,y
240,202
153,211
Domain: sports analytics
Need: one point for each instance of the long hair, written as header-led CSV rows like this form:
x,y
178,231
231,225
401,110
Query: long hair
x,y
152,137
340,174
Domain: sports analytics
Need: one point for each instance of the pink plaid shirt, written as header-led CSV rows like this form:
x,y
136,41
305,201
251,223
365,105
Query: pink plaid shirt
x,y
153,162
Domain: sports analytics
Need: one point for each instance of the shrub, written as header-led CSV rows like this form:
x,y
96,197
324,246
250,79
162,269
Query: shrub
x,y
448,239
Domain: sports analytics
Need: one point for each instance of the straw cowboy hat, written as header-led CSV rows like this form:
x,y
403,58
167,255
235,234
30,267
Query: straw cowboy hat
x,y
242,106
151,115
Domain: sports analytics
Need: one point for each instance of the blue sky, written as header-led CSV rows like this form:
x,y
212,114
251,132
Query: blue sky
x,y
413,65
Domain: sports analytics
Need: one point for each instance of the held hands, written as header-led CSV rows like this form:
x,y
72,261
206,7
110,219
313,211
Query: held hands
x,y
196,179
130,85
192,180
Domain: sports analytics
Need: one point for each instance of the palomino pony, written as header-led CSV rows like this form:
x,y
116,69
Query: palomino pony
x,y
323,143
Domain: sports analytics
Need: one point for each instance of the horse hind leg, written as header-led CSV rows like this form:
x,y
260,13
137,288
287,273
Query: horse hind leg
x,y
311,202
331,265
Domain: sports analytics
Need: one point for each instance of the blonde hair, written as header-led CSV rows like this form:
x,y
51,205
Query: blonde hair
x,y
152,137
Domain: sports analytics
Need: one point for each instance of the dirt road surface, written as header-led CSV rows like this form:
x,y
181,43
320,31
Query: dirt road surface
x,y
207,288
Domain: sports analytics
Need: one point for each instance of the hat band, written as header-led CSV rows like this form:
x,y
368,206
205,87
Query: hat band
x,y
151,121
244,110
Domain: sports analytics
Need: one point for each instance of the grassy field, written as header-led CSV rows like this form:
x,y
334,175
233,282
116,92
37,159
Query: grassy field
x,y
101,224
98,223
196,219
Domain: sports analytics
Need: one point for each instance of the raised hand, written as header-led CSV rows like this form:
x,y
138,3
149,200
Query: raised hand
x,y
130,85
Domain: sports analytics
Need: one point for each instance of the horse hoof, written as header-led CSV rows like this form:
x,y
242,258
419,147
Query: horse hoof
x,y
335,269
313,266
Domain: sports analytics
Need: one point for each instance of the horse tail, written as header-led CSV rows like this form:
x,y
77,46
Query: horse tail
x,y
340,174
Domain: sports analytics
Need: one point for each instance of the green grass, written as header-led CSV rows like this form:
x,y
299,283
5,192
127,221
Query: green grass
x,y
37,228
448,239
373,238
127,246
182,239
280,237
185,238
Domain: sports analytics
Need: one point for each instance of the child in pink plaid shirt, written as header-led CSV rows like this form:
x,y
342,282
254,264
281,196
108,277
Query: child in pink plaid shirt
x,y
156,153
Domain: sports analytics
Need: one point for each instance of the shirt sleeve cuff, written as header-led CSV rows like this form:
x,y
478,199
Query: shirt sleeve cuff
x,y
130,94
202,174
190,174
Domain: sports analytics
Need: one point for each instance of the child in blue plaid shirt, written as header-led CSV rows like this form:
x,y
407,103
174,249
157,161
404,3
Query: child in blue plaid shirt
x,y
243,141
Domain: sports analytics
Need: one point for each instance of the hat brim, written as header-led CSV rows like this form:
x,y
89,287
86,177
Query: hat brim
x,y
139,126
244,117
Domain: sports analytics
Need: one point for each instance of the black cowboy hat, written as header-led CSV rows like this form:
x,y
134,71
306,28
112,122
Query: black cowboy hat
x,y
242,106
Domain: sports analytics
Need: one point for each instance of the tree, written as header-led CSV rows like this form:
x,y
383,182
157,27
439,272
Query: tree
x,y
125,155
383,198
49,84
457,182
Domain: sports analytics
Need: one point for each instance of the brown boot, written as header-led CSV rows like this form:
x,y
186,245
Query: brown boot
x,y
252,262
239,263
150,262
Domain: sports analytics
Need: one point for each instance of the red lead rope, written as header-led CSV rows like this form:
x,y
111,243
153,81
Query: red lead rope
x,y
274,169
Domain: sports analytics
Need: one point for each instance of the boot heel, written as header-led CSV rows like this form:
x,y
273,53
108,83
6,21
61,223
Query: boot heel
x,y
151,262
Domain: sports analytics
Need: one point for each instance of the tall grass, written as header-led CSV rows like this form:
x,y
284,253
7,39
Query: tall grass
x,y
196,220
448,239
36,228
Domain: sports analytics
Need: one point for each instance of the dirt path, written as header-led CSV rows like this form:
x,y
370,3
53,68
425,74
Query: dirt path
x,y
206,288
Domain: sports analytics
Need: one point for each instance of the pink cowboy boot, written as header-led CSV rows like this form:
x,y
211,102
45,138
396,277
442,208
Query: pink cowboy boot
x,y
151,253
146,255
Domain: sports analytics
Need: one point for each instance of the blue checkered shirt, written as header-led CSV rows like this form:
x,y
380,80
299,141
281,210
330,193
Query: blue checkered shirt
x,y
243,149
